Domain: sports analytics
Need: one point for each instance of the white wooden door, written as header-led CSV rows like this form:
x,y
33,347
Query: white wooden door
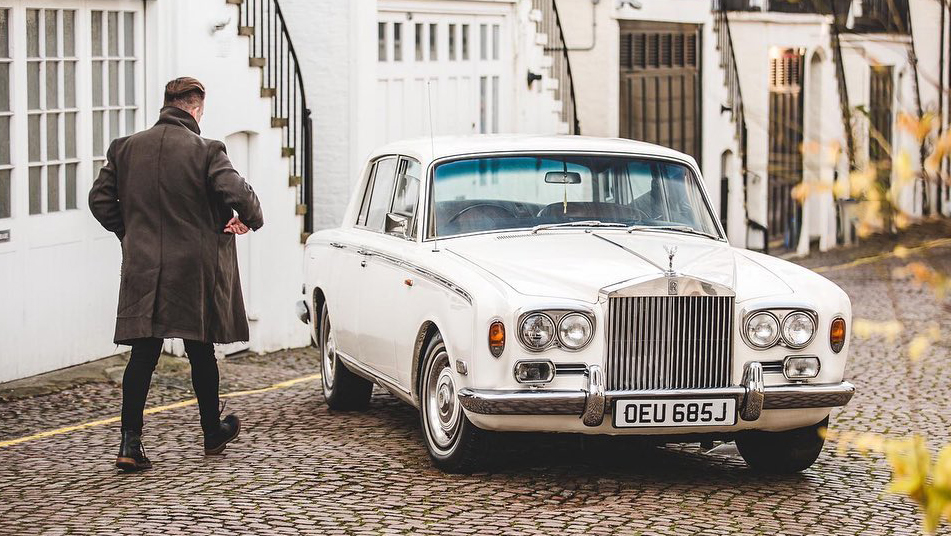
x,y
239,149
462,60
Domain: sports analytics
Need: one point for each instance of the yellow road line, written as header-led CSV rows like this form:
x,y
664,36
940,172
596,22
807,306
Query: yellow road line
x,y
150,411
875,258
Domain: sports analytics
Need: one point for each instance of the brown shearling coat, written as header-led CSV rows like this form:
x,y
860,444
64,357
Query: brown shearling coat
x,y
168,193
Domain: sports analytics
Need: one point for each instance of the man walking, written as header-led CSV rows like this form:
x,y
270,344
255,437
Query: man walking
x,y
170,196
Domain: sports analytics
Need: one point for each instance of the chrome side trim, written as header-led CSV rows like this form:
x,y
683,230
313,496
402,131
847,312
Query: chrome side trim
x,y
383,380
755,391
418,270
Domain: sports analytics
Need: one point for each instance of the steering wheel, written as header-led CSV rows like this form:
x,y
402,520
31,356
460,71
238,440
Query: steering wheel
x,y
499,211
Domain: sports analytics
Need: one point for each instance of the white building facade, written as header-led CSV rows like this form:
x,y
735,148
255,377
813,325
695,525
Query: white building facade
x,y
75,74
633,78
301,91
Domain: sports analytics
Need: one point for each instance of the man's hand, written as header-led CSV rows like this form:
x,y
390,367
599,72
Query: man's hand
x,y
236,227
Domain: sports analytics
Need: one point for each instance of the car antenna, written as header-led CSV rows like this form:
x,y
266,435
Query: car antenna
x,y
432,147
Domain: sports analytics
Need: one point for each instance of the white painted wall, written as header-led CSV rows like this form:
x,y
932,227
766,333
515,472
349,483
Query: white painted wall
x,y
59,275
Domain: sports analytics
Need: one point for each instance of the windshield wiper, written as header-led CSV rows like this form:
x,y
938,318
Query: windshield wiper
x,y
586,223
675,228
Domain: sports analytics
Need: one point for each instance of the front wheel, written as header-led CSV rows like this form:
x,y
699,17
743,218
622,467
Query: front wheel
x,y
343,390
454,443
782,452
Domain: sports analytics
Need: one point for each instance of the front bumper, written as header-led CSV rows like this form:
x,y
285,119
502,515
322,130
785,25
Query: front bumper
x,y
591,404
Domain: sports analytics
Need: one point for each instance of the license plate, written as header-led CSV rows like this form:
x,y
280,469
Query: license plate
x,y
636,413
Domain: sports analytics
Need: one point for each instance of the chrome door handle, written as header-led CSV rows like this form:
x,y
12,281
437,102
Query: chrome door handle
x,y
337,245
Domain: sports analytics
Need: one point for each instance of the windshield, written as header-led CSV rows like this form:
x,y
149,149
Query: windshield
x,y
515,192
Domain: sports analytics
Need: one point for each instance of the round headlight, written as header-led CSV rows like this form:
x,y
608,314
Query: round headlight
x,y
762,330
798,329
574,331
537,331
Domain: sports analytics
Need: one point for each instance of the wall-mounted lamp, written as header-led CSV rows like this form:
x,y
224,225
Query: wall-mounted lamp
x,y
532,77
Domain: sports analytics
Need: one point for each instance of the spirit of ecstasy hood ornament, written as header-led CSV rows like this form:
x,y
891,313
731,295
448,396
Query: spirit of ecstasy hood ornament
x,y
671,251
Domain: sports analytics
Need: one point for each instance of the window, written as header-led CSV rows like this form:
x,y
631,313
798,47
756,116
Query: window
x,y
483,104
397,41
465,42
452,42
419,42
381,41
518,192
495,41
51,109
433,42
495,104
6,191
406,194
376,202
113,80
483,42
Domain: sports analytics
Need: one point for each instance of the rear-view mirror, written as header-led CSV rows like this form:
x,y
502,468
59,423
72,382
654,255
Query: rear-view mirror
x,y
563,177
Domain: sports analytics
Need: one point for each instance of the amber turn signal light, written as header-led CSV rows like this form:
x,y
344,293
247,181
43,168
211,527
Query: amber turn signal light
x,y
497,338
837,335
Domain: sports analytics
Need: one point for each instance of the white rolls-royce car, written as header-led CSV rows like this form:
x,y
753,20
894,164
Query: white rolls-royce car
x,y
568,284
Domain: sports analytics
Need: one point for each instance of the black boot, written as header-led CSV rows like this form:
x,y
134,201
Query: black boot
x,y
218,437
131,453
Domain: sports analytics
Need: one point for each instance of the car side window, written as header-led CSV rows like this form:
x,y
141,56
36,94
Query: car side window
x,y
406,197
365,204
381,193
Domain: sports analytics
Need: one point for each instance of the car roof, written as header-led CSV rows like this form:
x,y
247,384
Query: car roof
x,y
428,149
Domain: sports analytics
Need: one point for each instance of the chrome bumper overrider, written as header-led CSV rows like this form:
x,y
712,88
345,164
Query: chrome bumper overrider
x,y
593,402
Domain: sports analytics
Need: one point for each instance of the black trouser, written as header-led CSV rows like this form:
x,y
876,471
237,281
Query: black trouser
x,y
138,376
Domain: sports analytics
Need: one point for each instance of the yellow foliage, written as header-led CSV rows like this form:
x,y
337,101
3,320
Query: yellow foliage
x,y
920,128
867,328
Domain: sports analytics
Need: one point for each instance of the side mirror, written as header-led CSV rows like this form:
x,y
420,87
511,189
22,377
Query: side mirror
x,y
563,177
396,225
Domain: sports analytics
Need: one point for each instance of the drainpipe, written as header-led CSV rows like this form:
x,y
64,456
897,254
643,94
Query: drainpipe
x,y
594,30
941,69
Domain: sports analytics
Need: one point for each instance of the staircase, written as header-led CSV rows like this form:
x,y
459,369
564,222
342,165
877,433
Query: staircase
x,y
271,50
734,103
552,38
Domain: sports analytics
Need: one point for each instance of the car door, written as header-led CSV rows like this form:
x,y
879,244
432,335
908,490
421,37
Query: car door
x,y
344,265
378,275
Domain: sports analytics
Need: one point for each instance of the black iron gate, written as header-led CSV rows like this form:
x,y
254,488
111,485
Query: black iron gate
x,y
785,146
660,84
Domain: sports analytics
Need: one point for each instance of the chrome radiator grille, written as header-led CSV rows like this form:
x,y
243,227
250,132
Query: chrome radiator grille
x,y
669,342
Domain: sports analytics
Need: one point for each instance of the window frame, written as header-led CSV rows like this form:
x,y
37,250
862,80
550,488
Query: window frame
x,y
368,193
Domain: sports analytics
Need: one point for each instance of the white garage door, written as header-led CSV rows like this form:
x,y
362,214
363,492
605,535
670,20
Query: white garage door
x,y
462,59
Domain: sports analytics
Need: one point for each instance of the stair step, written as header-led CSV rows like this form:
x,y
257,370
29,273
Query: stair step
x,y
304,236
278,122
301,210
295,180
267,92
235,2
535,15
287,152
257,62
541,39
246,31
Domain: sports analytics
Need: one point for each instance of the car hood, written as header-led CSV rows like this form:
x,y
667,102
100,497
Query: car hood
x,y
578,264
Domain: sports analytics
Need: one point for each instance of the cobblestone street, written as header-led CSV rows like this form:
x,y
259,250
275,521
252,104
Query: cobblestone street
x,y
298,468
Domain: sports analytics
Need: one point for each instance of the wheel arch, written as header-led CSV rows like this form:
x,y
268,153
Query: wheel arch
x,y
317,302
426,332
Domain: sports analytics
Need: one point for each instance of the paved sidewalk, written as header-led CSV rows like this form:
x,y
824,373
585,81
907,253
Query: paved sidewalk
x,y
301,469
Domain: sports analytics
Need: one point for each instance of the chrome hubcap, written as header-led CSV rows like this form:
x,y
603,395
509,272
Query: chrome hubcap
x,y
442,406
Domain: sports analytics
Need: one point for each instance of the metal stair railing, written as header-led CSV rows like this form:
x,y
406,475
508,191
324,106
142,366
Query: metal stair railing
x,y
557,50
734,103
271,50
